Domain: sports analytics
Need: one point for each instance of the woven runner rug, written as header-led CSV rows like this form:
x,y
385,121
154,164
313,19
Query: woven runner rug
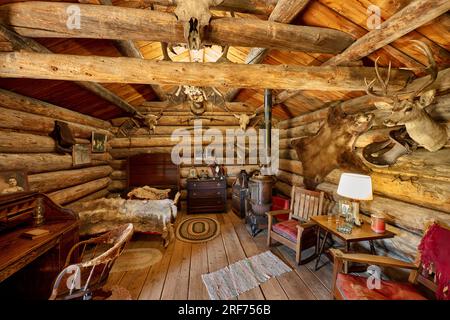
x,y
244,275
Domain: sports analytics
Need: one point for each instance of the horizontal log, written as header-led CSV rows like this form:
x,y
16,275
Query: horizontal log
x,y
39,162
19,102
22,43
157,141
157,106
132,70
49,20
74,193
288,154
17,142
119,175
93,196
50,181
118,164
421,163
117,185
309,129
263,7
188,120
409,18
402,214
168,130
428,191
366,103
18,120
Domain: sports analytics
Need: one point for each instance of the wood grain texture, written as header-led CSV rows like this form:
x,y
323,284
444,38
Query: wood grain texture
x,y
131,70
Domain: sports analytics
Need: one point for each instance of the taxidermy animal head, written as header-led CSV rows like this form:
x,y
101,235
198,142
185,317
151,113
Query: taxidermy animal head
x,y
195,16
244,120
151,121
198,98
407,108
332,147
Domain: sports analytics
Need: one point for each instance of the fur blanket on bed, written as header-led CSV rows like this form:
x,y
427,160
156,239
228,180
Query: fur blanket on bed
x,y
103,214
149,193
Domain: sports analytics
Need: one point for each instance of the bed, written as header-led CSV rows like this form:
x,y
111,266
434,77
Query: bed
x,y
145,172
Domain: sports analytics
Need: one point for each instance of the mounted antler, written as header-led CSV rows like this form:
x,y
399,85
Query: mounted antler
x,y
224,56
432,68
384,83
408,106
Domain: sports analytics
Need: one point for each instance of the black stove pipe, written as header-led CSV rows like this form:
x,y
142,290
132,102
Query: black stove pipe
x,y
268,121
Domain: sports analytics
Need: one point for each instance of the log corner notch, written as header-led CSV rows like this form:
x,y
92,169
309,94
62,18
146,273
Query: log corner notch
x,y
49,19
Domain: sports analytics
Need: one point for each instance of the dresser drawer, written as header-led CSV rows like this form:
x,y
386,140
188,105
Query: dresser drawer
x,y
207,184
208,193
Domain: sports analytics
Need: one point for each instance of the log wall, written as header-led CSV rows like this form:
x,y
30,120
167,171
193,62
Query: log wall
x,y
140,141
25,145
410,194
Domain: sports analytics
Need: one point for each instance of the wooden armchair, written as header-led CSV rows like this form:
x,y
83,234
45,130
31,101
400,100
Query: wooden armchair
x,y
430,270
90,272
297,233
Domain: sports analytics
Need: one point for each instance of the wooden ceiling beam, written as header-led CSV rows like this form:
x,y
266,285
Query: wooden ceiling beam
x,y
128,48
157,106
416,14
411,17
366,103
284,12
263,7
132,70
21,43
49,19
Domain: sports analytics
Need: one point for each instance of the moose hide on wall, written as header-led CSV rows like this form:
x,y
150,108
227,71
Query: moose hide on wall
x,y
332,147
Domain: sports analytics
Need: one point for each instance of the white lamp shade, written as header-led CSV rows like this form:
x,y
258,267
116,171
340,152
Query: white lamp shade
x,y
355,186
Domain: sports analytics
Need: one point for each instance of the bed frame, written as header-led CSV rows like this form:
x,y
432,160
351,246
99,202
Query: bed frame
x,y
154,170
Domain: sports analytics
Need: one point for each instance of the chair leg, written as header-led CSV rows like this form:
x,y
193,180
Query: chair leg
x,y
298,255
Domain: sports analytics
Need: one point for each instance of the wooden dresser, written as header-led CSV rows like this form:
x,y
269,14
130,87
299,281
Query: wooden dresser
x,y
204,196
28,267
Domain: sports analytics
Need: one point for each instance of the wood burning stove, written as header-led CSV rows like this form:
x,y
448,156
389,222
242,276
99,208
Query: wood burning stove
x,y
260,202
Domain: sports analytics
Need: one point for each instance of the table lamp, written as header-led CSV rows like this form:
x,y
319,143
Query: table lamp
x,y
356,187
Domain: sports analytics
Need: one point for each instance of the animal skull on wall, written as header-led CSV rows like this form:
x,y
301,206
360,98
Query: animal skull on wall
x,y
244,120
195,15
197,97
332,147
151,121
410,111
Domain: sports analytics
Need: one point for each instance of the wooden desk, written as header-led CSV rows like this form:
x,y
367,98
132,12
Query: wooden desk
x,y
29,267
363,233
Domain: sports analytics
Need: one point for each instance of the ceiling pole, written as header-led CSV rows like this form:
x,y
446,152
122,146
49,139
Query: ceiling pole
x,y
131,70
22,43
268,123
414,15
128,48
284,12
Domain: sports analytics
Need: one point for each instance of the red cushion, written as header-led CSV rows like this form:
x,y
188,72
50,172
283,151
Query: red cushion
x,y
355,288
287,229
280,203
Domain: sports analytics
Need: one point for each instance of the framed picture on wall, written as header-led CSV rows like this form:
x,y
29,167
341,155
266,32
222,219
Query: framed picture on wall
x,y
98,142
81,154
13,181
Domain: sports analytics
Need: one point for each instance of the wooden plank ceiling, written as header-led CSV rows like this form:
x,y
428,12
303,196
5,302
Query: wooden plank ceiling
x,y
349,16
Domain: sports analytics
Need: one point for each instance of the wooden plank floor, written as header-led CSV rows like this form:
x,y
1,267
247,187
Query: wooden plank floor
x,y
177,276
